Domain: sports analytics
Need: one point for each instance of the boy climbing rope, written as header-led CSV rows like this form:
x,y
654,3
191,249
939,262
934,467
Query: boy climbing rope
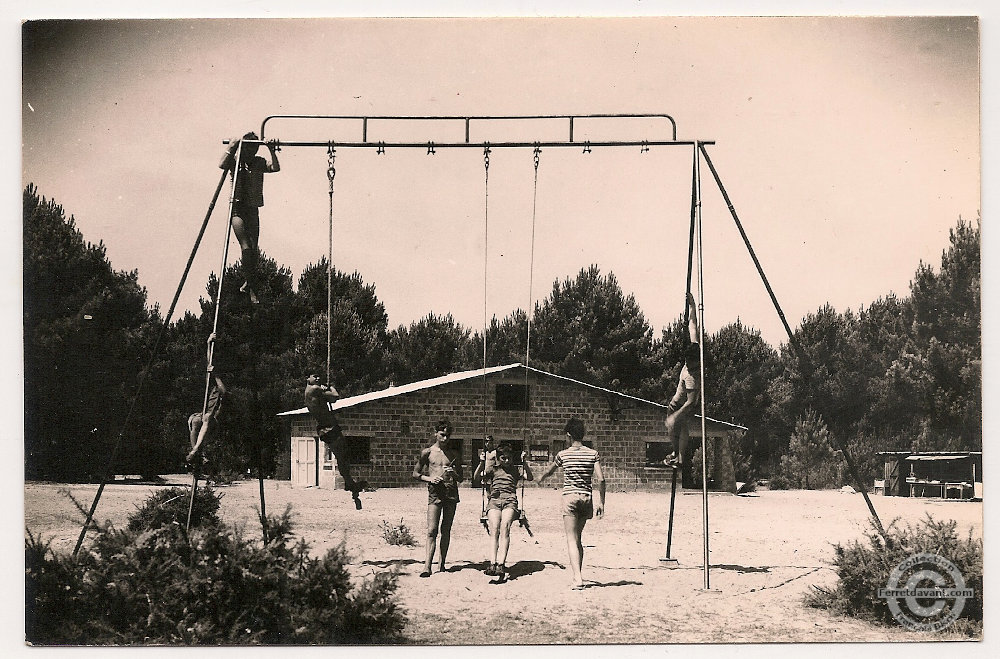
x,y
319,398
503,508
248,197
202,426
681,407
440,466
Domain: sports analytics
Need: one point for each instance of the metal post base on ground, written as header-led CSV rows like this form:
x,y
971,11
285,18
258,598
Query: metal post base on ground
x,y
667,560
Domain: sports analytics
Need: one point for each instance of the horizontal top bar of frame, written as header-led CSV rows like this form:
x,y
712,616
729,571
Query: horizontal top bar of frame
x,y
492,145
467,120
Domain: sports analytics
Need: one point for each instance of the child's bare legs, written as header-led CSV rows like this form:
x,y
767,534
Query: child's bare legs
x,y
246,226
573,526
433,523
439,519
677,431
447,517
493,516
194,426
507,519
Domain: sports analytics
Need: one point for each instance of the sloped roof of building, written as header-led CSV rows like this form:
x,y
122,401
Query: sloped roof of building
x,y
430,383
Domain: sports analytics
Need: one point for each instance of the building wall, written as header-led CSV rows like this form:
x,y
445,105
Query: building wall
x,y
399,427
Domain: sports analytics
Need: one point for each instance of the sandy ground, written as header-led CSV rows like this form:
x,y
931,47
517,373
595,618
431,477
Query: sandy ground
x,y
767,550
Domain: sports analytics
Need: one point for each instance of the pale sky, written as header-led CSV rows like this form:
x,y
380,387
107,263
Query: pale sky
x,y
849,147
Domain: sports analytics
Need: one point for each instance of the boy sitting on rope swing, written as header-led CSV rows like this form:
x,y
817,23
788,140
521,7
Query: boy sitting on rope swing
x,y
319,398
248,197
503,509
681,407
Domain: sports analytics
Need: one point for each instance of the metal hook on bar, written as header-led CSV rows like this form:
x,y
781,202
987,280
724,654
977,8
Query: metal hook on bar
x,y
430,149
486,154
380,150
538,151
586,147
331,156
645,147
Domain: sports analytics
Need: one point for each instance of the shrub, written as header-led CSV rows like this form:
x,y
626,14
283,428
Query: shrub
x,y
162,586
171,505
398,534
811,460
864,568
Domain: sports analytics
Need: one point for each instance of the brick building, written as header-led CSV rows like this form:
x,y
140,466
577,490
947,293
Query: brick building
x,y
523,406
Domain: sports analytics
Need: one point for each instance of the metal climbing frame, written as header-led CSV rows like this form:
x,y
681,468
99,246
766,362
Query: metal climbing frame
x,y
664,138
571,125
571,128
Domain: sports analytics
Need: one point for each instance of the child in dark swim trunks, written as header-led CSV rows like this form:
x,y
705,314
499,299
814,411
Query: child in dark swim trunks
x,y
502,508
318,398
440,466
248,197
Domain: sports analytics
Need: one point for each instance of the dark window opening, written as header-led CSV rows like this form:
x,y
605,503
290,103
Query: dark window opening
x,y
656,452
512,397
359,451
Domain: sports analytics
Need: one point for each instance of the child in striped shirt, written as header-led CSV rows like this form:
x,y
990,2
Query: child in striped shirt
x,y
581,467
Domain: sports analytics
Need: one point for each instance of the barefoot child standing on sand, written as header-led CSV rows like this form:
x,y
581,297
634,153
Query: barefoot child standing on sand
x,y
581,466
440,466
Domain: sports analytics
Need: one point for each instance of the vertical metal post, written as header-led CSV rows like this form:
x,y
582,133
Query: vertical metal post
x,y
701,348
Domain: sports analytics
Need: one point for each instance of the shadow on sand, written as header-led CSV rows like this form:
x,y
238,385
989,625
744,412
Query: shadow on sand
x,y
740,568
623,582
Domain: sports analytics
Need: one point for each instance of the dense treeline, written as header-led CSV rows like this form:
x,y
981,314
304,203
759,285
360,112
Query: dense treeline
x,y
900,373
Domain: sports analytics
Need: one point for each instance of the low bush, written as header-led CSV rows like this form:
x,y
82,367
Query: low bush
x,y
156,584
864,567
171,505
397,534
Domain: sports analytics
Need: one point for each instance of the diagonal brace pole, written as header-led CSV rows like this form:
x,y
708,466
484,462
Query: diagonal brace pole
x,y
793,342
149,363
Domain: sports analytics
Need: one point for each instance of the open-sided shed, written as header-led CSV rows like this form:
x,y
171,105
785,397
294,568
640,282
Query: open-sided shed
x,y
945,474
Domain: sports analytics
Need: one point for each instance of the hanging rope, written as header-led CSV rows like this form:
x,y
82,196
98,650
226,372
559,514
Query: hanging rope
x,y
486,258
331,173
486,270
522,518
531,275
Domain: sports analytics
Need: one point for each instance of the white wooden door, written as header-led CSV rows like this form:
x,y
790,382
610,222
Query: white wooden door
x,y
304,462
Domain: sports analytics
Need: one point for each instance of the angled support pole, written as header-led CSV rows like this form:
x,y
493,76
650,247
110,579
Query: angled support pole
x,y
149,363
803,361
